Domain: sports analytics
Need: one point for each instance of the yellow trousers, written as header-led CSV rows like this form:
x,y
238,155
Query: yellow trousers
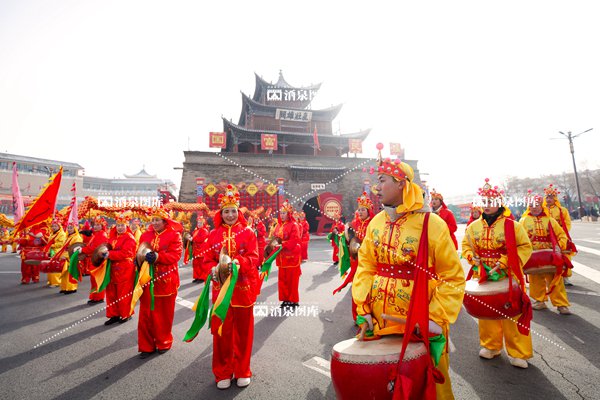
x,y
493,332
4,247
65,283
539,284
54,278
444,391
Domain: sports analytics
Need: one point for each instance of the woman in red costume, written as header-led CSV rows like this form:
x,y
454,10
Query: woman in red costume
x,y
122,271
157,305
198,240
305,234
98,237
233,237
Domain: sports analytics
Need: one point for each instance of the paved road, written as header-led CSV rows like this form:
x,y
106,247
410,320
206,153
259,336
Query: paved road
x,y
56,347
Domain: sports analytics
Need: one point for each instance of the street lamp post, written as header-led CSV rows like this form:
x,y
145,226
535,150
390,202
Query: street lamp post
x,y
571,137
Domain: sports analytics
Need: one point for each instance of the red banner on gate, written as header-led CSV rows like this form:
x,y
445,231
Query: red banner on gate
x,y
268,142
355,146
396,150
218,139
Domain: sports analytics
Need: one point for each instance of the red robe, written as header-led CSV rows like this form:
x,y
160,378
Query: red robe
x,y
305,239
30,272
261,238
288,260
340,229
232,350
154,326
122,274
97,238
198,239
448,217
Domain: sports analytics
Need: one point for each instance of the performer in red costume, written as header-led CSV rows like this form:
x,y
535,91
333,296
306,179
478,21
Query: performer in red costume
x,y
475,214
305,234
122,271
198,240
31,240
337,228
98,237
157,305
439,207
364,214
288,260
233,237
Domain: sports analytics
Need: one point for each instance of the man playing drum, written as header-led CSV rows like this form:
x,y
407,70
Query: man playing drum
x,y
384,280
538,223
501,246
561,215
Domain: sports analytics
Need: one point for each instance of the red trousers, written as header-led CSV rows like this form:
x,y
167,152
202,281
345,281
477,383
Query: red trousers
x,y
29,272
304,250
154,327
336,251
288,281
233,349
96,296
118,299
197,271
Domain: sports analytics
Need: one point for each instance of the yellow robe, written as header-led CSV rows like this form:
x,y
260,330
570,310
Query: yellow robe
x,y
539,284
480,237
555,212
5,239
397,243
58,241
65,283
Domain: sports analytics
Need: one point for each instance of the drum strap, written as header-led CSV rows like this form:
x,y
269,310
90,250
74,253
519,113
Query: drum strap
x,y
560,260
418,313
515,268
570,244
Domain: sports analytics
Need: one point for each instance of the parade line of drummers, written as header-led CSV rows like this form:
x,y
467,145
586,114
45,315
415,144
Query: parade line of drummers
x,y
402,262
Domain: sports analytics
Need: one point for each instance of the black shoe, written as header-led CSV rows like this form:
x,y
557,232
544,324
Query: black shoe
x,y
145,354
123,320
198,280
91,302
62,291
284,304
335,262
69,291
112,320
163,351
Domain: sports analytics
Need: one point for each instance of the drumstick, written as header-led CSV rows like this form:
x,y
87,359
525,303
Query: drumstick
x,y
393,319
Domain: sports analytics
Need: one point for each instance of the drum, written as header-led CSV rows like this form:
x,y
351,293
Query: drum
x,y
365,369
543,262
52,266
490,300
35,257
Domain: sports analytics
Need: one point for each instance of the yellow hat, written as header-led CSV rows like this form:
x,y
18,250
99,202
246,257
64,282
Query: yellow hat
x,y
231,198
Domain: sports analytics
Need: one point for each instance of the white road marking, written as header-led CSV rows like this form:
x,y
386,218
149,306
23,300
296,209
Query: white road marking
x,y
589,240
586,271
10,272
583,292
320,365
588,250
578,339
451,346
183,302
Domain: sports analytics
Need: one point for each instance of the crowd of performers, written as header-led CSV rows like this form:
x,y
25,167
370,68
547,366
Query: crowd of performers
x,y
403,263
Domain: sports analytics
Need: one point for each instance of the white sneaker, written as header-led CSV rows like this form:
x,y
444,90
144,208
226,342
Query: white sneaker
x,y
488,354
539,305
224,384
243,382
518,362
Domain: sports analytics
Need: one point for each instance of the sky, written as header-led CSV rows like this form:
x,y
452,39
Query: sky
x,y
471,89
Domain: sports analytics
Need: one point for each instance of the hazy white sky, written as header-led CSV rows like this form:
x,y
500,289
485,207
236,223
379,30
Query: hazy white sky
x,y
472,89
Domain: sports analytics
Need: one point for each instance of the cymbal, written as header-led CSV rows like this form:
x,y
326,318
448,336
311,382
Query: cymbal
x,y
97,258
143,249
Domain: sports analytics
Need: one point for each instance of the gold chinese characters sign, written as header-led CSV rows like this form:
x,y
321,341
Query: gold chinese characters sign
x,y
271,189
210,189
252,189
218,139
268,142
355,146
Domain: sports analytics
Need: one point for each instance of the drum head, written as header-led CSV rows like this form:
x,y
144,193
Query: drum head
x,y
473,287
387,349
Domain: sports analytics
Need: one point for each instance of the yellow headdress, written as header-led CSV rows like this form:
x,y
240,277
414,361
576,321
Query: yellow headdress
x,y
365,201
231,198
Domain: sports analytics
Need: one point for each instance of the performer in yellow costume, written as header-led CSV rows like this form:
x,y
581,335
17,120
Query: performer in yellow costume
x,y
56,241
5,238
487,242
537,223
68,285
561,215
384,280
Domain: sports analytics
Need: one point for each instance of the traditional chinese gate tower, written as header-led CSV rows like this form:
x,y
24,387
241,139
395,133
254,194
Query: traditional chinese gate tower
x,y
281,148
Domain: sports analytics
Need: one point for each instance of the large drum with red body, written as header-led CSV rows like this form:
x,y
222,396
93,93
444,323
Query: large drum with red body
x,y
543,262
492,300
35,257
366,369
52,266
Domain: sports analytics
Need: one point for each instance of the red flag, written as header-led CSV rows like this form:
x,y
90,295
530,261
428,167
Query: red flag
x,y
18,208
316,139
43,206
